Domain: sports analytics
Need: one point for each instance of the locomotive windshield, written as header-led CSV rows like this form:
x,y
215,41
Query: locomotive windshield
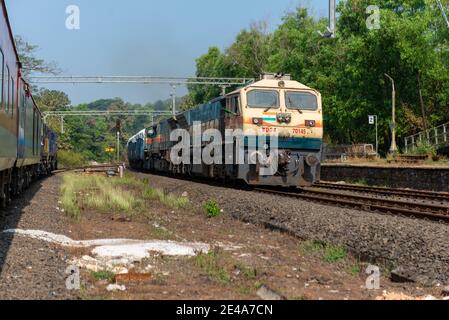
x,y
301,100
263,99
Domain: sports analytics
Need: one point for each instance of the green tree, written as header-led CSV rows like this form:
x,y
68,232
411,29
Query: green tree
x,y
31,63
52,100
411,46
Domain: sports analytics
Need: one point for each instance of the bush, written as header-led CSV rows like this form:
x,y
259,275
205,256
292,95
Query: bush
x,y
70,159
212,209
423,148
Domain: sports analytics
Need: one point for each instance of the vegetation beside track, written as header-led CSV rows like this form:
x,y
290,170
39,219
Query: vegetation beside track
x,y
125,195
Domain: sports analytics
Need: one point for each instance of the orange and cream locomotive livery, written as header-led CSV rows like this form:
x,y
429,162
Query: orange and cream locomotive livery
x,y
274,106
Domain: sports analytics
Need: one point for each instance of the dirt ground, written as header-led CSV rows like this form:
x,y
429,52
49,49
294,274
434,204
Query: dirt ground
x,y
244,257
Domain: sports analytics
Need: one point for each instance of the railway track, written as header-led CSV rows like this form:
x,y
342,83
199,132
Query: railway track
x,y
429,211
417,194
91,168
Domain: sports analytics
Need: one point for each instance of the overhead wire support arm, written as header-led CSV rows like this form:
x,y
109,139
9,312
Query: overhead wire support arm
x,y
106,113
140,80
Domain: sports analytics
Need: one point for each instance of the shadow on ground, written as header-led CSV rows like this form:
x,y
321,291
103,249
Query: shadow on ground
x,y
10,217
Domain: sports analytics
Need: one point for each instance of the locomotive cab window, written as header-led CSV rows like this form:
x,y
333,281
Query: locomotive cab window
x,y
151,133
263,99
301,100
233,105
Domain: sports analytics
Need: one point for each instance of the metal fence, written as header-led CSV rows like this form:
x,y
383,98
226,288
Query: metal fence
x,y
343,152
438,136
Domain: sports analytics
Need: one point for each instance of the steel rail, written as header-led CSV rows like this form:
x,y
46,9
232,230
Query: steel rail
x,y
427,211
430,195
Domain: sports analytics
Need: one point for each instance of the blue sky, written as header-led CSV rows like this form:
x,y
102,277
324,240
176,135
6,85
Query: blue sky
x,y
139,37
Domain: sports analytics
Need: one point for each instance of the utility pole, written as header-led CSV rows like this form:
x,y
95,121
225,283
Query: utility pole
x,y
332,28
62,124
174,101
118,146
393,148
118,127
443,12
373,120
333,17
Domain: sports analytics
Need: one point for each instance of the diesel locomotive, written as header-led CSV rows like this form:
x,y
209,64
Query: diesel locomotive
x,y
275,108
27,146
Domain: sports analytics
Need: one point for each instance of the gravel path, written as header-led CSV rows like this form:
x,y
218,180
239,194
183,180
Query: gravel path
x,y
33,269
419,248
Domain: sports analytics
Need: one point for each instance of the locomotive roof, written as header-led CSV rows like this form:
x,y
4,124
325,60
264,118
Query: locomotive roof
x,y
274,83
140,134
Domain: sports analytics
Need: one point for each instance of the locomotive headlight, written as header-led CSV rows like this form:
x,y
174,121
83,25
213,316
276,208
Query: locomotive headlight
x,y
257,121
150,133
310,123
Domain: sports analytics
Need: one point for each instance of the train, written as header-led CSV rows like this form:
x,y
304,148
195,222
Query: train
x,y
28,147
272,113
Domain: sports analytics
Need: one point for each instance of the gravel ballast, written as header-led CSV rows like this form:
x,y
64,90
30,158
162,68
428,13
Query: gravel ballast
x,y
418,249
34,269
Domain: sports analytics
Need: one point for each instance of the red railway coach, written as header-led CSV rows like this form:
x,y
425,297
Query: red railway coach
x,y
27,146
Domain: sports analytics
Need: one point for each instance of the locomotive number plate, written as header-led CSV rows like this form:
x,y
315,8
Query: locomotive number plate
x,y
300,131
269,129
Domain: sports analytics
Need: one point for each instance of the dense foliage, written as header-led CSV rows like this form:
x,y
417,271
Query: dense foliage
x,y
86,138
411,46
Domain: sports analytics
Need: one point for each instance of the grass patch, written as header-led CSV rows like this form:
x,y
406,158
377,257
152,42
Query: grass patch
x,y
247,272
354,269
333,254
212,209
125,195
168,200
361,182
70,159
103,275
97,192
211,263
129,180
329,253
310,247
162,233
